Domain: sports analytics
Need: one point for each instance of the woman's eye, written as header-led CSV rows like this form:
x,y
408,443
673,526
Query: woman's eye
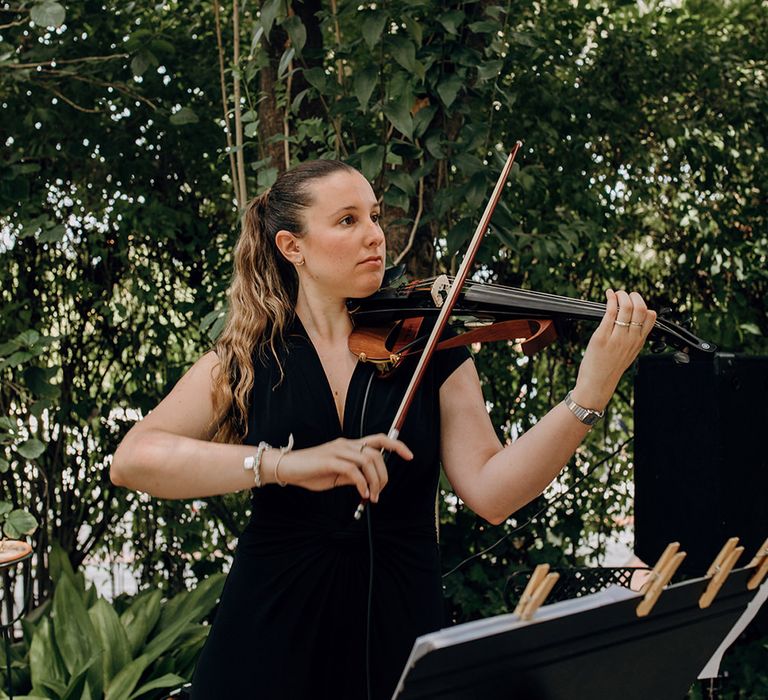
x,y
347,220
375,218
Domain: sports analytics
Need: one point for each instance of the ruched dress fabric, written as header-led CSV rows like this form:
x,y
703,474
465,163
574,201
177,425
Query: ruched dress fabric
x,y
291,623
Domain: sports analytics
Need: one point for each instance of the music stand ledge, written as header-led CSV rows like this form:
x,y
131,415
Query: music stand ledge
x,y
592,647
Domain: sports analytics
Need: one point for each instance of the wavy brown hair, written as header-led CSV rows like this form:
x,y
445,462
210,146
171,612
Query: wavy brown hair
x,y
262,295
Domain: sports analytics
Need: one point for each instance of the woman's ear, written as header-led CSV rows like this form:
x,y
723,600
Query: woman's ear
x,y
289,248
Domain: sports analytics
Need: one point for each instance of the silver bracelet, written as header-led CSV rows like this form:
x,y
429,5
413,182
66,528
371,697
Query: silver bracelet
x,y
254,462
283,451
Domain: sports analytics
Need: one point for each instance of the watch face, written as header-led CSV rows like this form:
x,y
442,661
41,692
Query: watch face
x,y
590,418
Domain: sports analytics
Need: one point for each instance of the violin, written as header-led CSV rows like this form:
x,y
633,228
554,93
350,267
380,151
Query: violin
x,y
389,324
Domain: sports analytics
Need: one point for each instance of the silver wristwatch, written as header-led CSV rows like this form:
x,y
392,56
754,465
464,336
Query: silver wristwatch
x,y
588,416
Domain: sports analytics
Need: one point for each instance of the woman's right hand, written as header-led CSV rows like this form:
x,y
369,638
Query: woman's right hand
x,y
341,462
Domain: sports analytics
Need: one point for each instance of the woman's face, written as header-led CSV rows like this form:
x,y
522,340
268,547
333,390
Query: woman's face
x,y
344,247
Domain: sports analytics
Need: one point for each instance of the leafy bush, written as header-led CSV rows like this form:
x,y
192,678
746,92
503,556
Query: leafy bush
x,y
79,646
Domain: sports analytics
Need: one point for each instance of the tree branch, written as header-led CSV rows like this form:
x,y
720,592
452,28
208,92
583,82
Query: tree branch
x,y
416,221
227,124
242,196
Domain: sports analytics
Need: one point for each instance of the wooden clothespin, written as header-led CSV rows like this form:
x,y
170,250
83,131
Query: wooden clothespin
x,y
760,562
539,586
719,570
665,568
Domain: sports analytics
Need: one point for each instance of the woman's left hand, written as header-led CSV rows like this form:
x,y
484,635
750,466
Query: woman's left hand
x,y
612,348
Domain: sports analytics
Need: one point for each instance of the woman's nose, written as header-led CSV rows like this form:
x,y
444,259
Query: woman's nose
x,y
375,235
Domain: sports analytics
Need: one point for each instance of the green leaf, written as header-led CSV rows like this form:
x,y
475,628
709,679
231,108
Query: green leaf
x,y
76,688
448,89
404,181
522,39
316,77
489,69
251,130
123,684
48,14
45,664
5,465
399,114
372,26
59,565
371,160
404,52
185,115
285,62
268,14
54,234
31,449
415,30
166,681
194,604
5,508
16,359
114,641
485,26
296,31
19,523
73,631
142,61
139,619
750,328
364,84
451,20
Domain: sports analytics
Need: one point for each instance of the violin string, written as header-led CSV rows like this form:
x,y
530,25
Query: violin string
x,y
543,509
561,303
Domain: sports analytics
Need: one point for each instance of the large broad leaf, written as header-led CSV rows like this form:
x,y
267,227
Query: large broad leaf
x,y
46,667
166,681
31,449
364,83
19,523
196,603
296,31
77,689
140,618
372,27
74,634
58,563
398,112
114,641
185,115
123,684
48,14
448,89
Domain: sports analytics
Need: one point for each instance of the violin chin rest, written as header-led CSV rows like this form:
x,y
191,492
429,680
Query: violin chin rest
x,y
682,358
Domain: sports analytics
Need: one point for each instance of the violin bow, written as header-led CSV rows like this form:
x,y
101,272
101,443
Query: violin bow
x,y
447,307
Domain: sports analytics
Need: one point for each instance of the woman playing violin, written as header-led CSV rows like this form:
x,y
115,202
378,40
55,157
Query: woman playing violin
x,y
318,604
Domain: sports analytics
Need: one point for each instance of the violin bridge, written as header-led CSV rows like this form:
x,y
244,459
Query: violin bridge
x,y
439,290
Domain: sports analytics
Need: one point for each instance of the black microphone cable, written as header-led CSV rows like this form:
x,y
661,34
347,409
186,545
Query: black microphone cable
x,y
370,558
546,507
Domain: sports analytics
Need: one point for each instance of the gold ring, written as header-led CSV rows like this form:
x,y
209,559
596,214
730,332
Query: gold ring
x,y
635,323
623,324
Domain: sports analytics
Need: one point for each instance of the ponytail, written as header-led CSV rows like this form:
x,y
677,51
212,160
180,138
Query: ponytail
x,y
262,294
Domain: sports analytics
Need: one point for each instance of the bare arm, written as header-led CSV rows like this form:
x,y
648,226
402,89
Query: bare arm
x,y
169,453
495,481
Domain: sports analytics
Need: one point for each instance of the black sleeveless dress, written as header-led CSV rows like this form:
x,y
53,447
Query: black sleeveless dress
x,y
291,623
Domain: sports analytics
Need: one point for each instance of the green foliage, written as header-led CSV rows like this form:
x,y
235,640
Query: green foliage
x,y
81,648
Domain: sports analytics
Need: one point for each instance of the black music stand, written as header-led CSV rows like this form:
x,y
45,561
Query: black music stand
x,y
581,649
